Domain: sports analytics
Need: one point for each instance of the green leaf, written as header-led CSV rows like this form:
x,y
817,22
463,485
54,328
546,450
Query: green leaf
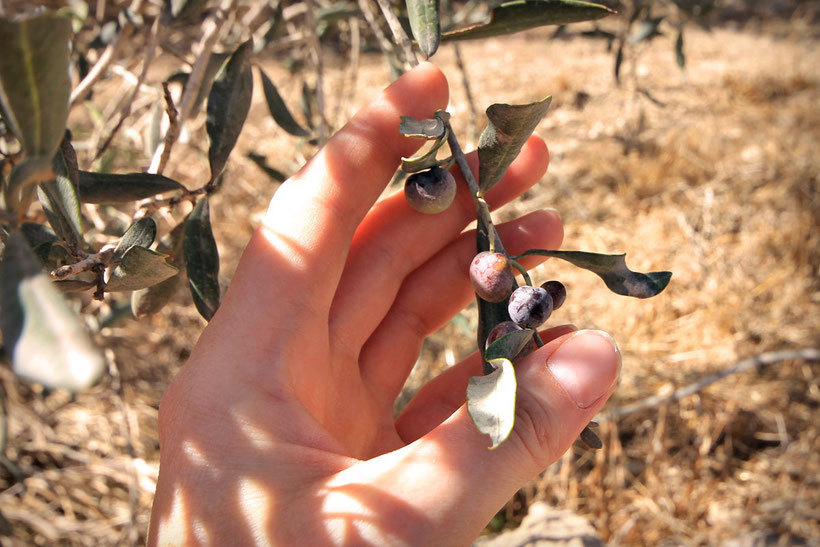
x,y
34,80
519,15
279,110
679,55
509,345
619,59
228,104
112,188
425,22
139,268
141,234
429,128
262,164
202,260
37,234
491,401
508,129
47,342
215,63
150,300
612,269
60,204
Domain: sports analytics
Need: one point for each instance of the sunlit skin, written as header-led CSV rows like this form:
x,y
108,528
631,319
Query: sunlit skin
x,y
280,428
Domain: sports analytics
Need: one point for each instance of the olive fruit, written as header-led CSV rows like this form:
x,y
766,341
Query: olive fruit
x,y
557,291
431,191
529,306
492,276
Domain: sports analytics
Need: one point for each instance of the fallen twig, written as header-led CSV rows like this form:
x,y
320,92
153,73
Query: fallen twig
x,y
806,354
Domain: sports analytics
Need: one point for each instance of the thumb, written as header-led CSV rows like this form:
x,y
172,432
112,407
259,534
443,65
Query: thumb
x,y
457,484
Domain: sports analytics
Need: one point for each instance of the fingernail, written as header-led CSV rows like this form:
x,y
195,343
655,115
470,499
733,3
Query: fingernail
x,y
586,365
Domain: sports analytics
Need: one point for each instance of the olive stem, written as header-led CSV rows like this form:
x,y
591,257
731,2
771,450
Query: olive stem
x,y
517,265
482,208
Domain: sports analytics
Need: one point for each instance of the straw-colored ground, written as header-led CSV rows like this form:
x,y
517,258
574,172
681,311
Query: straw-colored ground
x,y
713,175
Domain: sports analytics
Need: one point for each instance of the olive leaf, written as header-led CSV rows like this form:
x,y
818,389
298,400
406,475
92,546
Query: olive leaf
x,y
429,128
679,55
60,204
279,110
509,345
46,341
37,234
139,268
508,129
34,80
152,299
228,104
491,401
212,68
519,15
619,59
270,171
141,233
113,188
426,160
202,259
612,269
425,22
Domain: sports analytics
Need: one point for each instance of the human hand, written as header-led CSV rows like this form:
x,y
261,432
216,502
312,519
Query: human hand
x,y
280,428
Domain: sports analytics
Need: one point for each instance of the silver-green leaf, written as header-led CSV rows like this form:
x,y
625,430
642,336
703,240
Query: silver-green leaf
x,y
509,345
491,401
425,22
34,80
519,15
141,233
139,268
46,341
429,128
152,299
508,129
60,204
612,269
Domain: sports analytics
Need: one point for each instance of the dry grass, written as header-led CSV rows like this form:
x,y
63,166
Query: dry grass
x,y
713,176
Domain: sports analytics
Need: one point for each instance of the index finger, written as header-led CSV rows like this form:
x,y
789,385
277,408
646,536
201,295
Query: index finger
x,y
311,220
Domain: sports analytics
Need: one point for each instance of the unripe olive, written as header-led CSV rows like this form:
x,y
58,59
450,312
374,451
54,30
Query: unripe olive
x,y
492,276
431,191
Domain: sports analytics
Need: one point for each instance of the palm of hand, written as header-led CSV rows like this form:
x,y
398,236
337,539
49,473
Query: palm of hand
x,y
280,428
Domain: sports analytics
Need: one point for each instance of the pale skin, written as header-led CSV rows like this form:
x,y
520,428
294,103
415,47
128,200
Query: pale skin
x,y
280,428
